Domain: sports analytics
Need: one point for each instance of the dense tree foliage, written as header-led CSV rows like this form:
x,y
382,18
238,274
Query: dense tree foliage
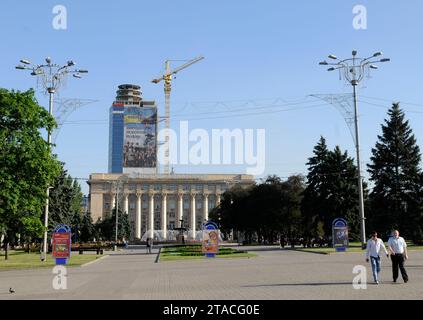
x,y
396,199
263,212
331,191
106,228
27,166
65,202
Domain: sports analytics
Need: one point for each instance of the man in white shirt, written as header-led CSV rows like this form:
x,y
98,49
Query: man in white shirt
x,y
374,245
398,248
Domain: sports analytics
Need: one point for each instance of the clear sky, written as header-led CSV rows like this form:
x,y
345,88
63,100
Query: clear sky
x,y
265,52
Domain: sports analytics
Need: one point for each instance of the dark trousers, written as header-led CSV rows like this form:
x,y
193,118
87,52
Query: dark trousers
x,y
398,263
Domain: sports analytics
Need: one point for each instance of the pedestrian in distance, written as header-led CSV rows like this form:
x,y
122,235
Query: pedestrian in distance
x,y
149,245
282,242
374,246
399,254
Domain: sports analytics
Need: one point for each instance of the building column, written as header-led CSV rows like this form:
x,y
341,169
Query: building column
x,y
180,209
164,216
151,217
126,204
218,200
112,202
206,207
138,217
193,228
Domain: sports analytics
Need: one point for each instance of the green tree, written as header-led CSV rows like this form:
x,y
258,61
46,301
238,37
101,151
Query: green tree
x,y
65,202
331,191
107,227
262,211
87,229
314,203
396,199
27,166
291,219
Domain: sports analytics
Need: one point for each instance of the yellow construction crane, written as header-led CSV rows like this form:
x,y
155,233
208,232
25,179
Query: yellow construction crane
x,y
167,77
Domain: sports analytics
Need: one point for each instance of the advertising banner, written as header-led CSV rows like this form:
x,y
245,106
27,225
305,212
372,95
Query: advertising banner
x,y
210,239
140,137
340,234
61,242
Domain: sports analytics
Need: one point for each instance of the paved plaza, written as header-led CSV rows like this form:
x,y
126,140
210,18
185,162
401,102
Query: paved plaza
x,y
273,275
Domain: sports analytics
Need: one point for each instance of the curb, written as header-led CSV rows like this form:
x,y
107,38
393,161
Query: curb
x,y
94,261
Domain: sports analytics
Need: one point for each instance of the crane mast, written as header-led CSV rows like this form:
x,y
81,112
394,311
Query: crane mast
x,y
167,77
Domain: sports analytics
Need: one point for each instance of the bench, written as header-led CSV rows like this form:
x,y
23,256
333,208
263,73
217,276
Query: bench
x,y
98,250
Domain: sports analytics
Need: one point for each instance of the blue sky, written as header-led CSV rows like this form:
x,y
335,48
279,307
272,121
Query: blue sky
x,y
254,50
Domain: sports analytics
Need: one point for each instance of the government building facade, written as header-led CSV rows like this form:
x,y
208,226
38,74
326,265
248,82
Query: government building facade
x,y
157,204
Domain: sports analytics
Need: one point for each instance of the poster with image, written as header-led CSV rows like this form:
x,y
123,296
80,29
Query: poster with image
x,y
210,241
140,142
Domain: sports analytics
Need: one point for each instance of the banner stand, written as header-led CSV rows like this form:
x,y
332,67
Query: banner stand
x,y
210,239
62,242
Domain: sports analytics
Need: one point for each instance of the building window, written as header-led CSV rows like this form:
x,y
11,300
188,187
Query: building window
x,y
132,205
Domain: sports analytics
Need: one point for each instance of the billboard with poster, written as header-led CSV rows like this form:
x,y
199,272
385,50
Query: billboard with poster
x,y
140,139
210,239
340,234
61,242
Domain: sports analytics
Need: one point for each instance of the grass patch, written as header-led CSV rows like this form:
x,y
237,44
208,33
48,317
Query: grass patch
x,y
195,252
22,260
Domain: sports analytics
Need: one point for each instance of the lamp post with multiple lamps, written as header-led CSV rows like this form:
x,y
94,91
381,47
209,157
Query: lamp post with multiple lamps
x,y
353,70
52,77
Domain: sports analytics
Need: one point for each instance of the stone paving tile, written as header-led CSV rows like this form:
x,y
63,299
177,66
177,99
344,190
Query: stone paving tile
x,y
272,275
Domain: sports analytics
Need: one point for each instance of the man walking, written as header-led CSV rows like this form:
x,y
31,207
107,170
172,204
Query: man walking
x,y
374,245
399,254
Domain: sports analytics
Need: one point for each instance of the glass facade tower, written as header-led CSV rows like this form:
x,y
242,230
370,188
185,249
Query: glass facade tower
x,y
132,122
